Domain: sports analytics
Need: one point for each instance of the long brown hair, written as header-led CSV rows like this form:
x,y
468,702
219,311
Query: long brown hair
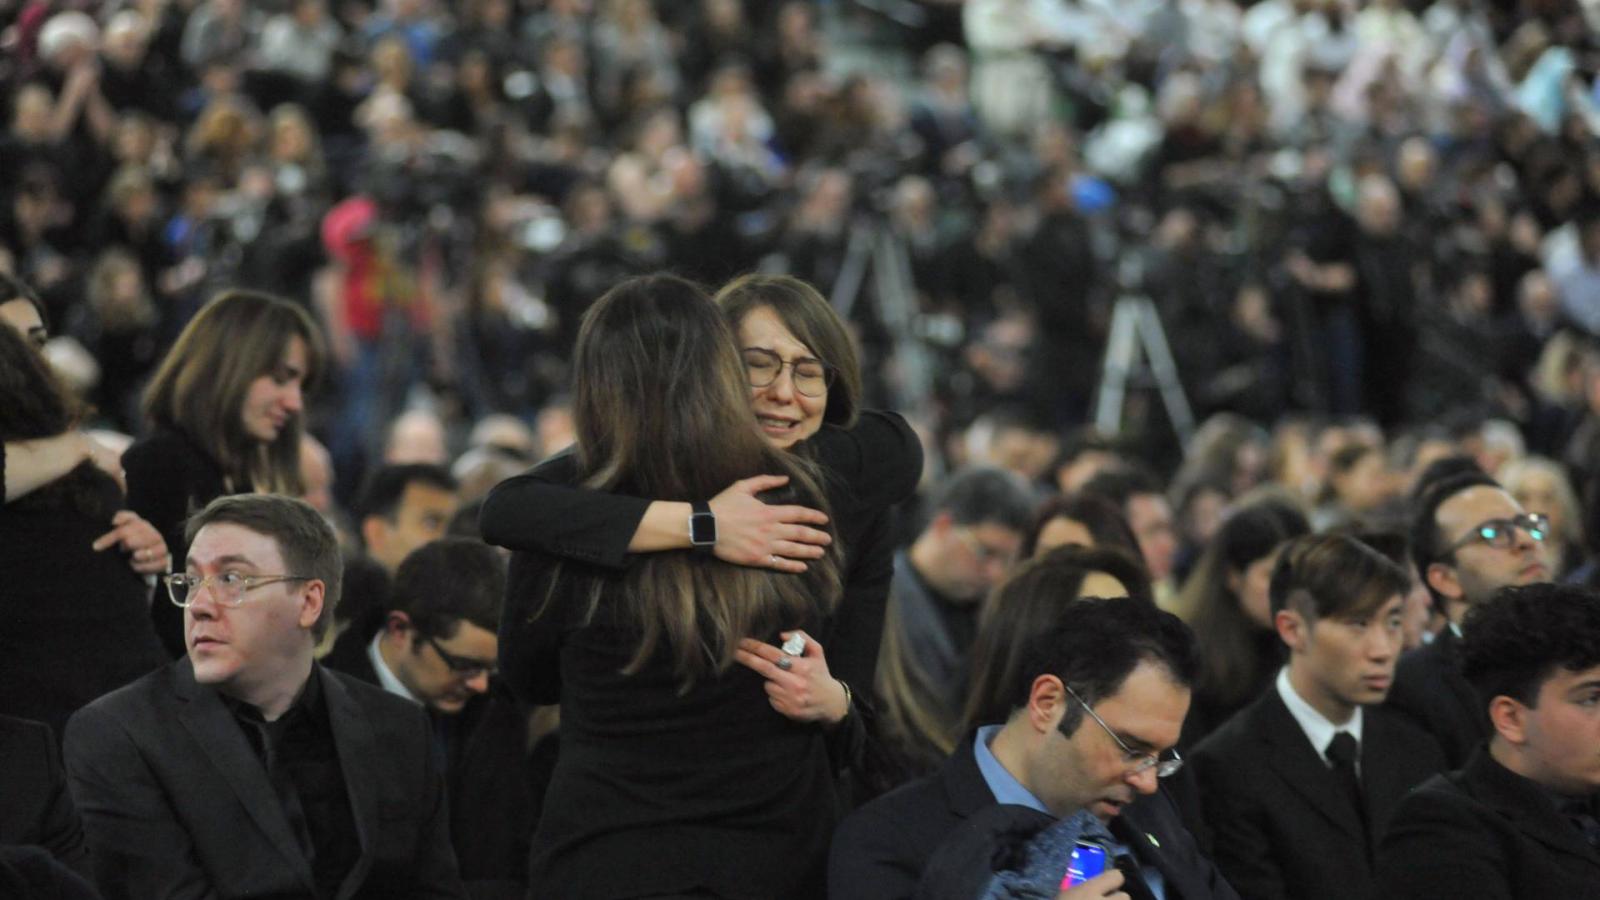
x,y
200,386
662,410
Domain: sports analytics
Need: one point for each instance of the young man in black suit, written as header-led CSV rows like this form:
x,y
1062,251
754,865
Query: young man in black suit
x,y
1522,818
437,645
246,769
1298,786
1469,538
1099,705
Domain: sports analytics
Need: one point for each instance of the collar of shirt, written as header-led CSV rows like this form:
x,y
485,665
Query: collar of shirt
x,y
1005,787
1316,726
386,678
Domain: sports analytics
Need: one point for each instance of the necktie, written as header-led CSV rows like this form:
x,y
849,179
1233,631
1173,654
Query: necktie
x,y
1342,752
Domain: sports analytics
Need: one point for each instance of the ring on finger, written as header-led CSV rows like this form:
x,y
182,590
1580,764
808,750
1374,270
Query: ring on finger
x,y
785,662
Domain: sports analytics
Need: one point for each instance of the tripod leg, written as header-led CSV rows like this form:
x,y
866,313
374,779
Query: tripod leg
x,y
1121,346
847,290
1165,370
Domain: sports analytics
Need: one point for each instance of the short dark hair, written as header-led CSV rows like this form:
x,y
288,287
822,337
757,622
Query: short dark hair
x,y
1094,644
1025,605
1324,575
449,580
1516,640
306,541
381,494
1427,544
985,494
1121,485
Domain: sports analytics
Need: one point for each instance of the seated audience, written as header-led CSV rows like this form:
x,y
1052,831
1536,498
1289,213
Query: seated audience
x,y
973,532
1227,600
245,768
1469,538
1520,818
1298,787
1095,710
437,646
1149,515
400,508
1086,521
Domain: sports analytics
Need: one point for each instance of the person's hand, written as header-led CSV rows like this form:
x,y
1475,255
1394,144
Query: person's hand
x,y
1105,886
146,549
753,533
805,691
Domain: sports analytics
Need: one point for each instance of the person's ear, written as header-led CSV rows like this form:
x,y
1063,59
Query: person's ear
x,y
1509,719
311,603
1047,703
396,624
1443,579
1293,629
942,523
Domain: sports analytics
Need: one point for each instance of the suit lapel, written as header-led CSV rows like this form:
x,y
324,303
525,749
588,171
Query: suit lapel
x,y
1455,683
964,787
1289,753
213,727
358,748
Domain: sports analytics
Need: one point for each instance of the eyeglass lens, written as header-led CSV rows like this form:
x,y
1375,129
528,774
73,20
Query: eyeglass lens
x,y
762,368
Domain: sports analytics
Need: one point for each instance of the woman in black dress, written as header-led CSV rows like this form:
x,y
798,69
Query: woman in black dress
x,y
73,615
226,412
719,785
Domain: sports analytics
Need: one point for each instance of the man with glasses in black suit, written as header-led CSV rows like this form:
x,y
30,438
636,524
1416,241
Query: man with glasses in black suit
x,y
436,644
245,768
1469,538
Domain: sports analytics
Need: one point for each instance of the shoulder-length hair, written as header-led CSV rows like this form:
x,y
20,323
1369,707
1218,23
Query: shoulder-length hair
x,y
34,405
1228,640
200,387
805,313
662,409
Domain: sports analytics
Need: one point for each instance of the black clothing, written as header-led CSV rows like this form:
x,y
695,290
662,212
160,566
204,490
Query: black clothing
x,y
1282,822
662,790
494,785
883,850
1431,692
37,808
170,478
76,621
1487,833
29,873
175,802
302,763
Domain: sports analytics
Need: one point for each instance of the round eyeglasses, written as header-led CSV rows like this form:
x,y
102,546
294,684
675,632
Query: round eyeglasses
x,y
227,588
1138,763
811,376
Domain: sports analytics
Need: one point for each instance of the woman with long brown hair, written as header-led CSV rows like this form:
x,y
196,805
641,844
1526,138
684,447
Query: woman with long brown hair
x,y
680,772
226,414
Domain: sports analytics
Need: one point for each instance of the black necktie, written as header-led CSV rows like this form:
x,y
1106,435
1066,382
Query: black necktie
x,y
1342,752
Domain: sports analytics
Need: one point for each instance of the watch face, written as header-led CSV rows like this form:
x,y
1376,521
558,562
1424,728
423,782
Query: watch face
x,y
702,529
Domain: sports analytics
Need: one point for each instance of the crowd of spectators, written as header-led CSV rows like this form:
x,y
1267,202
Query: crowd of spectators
x,y
1370,228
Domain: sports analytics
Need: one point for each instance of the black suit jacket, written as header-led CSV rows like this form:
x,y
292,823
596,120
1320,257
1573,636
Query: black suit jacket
x,y
37,808
176,804
1281,826
1431,692
494,792
1487,833
882,849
